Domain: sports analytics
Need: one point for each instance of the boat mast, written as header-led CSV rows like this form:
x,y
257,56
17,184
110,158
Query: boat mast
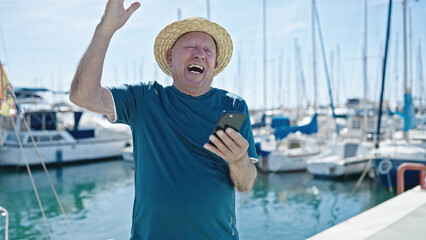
x,y
264,55
326,70
208,9
382,90
297,77
239,78
420,78
406,88
314,59
338,75
280,81
410,35
396,70
179,14
365,102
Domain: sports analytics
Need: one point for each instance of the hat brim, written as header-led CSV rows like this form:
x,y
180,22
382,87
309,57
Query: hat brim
x,y
168,36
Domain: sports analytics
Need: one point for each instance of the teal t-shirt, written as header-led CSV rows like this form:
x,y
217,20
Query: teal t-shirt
x,y
182,191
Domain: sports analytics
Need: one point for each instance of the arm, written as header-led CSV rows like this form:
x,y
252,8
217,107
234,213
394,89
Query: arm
x,y
232,147
86,89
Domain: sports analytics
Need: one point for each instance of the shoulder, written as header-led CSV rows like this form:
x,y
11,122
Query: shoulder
x,y
227,94
237,101
136,88
231,100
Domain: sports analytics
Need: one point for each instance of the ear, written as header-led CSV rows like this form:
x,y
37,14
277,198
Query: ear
x,y
169,57
215,64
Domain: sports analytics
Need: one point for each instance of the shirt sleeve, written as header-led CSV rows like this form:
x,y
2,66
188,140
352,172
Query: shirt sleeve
x,y
247,132
125,104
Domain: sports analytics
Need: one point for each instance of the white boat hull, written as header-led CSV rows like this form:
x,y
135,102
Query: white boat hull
x,y
289,155
82,150
335,162
280,162
337,167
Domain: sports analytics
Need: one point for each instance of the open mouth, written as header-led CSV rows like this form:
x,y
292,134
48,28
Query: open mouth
x,y
194,68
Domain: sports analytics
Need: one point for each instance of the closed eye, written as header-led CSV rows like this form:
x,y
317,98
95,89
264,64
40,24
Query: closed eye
x,y
209,51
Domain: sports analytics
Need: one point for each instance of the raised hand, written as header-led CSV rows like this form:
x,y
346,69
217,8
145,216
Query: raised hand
x,y
116,15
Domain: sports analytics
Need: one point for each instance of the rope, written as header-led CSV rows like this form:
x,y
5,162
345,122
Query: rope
x,y
31,177
389,182
361,178
49,179
47,173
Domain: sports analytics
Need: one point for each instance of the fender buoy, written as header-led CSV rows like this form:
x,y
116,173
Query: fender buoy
x,y
384,166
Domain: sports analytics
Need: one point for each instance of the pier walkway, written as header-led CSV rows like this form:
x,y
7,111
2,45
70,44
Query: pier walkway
x,y
401,217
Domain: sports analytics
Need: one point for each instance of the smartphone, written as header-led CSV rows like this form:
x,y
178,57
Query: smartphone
x,y
230,119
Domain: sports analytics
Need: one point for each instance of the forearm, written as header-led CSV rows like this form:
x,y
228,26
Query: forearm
x,y
243,174
86,88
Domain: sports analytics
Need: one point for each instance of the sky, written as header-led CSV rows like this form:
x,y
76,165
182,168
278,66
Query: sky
x,y
42,41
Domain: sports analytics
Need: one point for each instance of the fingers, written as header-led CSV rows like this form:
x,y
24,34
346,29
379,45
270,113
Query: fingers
x,y
133,7
229,145
226,143
214,149
130,10
235,139
116,15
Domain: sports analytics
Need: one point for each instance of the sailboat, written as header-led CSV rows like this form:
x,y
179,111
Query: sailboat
x,y
290,147
348,155
43,130
391,154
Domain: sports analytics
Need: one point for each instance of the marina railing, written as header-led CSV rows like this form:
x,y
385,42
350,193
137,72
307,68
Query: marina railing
x,y
4,213
410,166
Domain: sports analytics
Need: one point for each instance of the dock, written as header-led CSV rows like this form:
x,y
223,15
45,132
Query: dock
x,y
401,217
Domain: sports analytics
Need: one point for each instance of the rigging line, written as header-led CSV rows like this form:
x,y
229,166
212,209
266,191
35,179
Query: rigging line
x,y
47,172
31,177
325,68
420,78
361,178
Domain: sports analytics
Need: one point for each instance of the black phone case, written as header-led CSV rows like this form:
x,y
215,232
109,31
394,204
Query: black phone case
x,y
229,119
233,120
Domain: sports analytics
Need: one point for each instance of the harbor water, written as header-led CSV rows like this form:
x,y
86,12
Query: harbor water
x,y
98,199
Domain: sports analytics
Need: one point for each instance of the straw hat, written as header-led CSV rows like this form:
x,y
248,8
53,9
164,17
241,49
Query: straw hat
x,y
168,36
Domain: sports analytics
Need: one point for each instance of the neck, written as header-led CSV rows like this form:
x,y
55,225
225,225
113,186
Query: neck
x,y
194,92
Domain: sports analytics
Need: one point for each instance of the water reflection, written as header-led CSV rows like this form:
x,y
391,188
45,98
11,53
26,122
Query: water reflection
x,y
98,199
296,206
80,187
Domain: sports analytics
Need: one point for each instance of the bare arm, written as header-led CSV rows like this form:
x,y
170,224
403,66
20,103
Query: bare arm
x,y
232,147
86,89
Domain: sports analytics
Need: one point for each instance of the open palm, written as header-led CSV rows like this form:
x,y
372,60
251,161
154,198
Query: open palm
x,y
116,15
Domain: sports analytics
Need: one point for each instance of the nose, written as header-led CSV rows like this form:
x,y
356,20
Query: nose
x,y
199,53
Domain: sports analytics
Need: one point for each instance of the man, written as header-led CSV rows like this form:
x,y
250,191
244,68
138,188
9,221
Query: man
x,y
184,186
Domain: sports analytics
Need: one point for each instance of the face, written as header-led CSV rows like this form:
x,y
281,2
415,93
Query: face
x,y
193,62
